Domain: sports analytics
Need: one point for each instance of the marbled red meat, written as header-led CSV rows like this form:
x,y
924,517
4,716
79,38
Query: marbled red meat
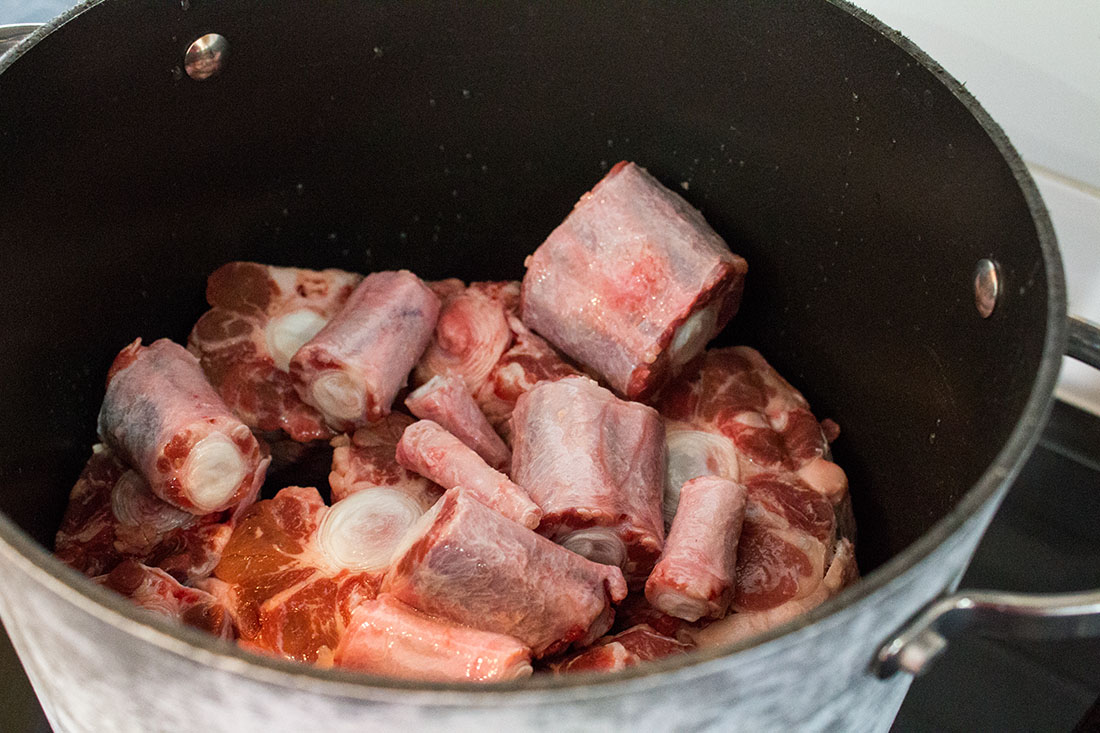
x,y
633,284
156,590
480,338
596,466
734,392
162,417
112,516
432,452
355,366
367,459
260,316
468,564
387,637
695,575
625,649
445,400
296,570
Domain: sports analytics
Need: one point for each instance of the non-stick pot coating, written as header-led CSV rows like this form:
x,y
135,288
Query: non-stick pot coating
x,y
450,138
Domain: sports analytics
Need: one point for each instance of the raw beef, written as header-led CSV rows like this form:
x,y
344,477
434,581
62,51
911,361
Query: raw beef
x,y
368,460
637,644
445,400
693,453
354,367
297,569
635,610
738,626
434,453
387,637
694,577
468,564
260,316
112,516
162,417
480,338
596,466
735,393
633,284
156,590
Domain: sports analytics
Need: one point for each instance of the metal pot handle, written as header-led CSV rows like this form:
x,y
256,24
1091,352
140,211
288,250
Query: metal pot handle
x,y
994,613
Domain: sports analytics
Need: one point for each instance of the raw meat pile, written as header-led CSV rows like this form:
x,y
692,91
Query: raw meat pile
x,y
574,483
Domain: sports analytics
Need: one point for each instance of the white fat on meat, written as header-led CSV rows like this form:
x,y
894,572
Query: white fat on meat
x,y
598,544
290,332
691,454
133,504
339,396
362,531
214,469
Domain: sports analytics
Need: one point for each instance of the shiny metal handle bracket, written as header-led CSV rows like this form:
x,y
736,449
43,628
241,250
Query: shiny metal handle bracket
x,y
994,613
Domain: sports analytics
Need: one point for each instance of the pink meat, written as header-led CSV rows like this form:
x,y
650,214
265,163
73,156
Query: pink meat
x,y
112,516
354,367
633,284
786,539
738,626
162,417
368,460
444,399
694,577
734,392
156,590
630,647
480,338
468,564
596,466
291,596
434,453
388,638
260,315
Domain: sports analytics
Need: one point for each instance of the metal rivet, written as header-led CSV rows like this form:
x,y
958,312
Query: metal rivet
x,y
987,286
206,56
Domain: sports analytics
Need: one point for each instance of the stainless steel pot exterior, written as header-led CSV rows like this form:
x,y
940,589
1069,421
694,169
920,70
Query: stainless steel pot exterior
x,y
96,670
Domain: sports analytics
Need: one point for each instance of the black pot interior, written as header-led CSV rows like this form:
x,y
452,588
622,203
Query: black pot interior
x,y
450,138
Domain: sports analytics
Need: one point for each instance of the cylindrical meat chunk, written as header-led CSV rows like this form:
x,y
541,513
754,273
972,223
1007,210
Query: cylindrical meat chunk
x,y
694,577
468,564
163,418
354,367
446,400
260,316
431,451
386,637
596,466
633,284
368,460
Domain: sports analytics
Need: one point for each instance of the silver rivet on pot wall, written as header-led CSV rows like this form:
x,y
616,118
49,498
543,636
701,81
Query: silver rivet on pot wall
x,y
987,286
206,56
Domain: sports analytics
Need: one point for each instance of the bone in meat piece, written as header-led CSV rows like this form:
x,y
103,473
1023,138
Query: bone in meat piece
x,y
693,453
633,284
434,453
786,540
734,392
355,366
260,316
625,649
112,516
468,564
596,466
445,400
162,417
367,460
156,590
386,637
694,577
297,569
480,338
737,626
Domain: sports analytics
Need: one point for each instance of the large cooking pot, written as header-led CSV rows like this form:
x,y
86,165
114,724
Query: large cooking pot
x,y
868,191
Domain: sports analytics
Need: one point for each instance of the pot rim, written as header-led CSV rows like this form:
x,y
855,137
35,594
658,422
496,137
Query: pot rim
x,y
110,608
